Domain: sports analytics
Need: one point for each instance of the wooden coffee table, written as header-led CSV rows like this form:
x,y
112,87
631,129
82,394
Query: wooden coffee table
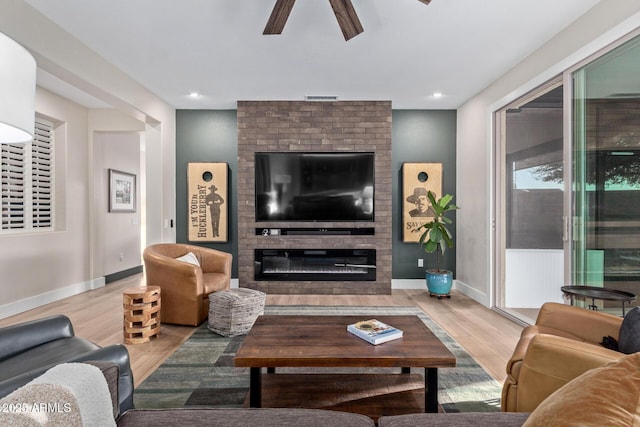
x,y
323,343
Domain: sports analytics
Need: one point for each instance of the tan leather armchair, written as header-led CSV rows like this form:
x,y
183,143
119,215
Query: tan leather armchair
x,y
563,344
185,287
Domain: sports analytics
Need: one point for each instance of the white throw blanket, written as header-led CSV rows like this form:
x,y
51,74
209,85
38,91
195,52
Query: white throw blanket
x,y
67,394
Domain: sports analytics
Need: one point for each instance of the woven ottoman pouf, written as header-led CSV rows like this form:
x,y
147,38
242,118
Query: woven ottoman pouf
x,y
233,311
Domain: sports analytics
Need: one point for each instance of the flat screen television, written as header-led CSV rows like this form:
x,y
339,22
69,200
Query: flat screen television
x,y
303,186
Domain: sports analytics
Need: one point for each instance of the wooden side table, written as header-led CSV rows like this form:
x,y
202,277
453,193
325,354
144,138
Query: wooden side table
x,y
141,314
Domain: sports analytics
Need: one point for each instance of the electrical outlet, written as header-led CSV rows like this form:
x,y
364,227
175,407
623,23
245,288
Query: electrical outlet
x,y
420,262
121,256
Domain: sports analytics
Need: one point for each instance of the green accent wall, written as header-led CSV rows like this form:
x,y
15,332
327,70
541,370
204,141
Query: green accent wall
x,y
418,136
207,136
421,136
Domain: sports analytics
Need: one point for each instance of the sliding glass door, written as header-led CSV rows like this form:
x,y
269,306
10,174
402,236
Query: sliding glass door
x,y
606,184
568,186
531,257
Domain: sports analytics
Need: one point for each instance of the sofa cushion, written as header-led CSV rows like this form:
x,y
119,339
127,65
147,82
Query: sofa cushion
x,y
629,340
605,396
468,419
39,359
264,417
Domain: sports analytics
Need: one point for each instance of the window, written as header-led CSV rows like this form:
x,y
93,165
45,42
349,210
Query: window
x,y
27,182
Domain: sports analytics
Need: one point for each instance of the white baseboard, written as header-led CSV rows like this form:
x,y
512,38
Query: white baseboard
x,y
408,284
472,293
48,297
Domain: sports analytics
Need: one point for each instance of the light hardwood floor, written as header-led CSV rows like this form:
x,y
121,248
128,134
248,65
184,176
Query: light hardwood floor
x,y
97,315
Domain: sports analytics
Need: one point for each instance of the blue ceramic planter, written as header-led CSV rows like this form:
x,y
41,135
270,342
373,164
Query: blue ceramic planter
x,y
439,283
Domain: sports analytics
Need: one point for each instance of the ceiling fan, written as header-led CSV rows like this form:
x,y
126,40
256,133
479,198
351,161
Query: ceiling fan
x,y
343,9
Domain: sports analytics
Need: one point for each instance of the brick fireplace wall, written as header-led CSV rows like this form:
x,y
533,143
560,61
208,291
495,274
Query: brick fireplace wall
x,y
341,126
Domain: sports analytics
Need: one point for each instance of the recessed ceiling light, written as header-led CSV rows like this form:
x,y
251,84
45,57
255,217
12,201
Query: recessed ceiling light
x,y
437,94
194,95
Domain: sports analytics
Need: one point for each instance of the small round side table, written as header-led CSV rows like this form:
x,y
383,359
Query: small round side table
x,y
595,293
141,314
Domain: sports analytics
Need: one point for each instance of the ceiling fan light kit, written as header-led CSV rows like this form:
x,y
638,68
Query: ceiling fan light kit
x,y
343,9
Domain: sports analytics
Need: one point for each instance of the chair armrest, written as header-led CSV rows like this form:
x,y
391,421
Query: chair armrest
x,y
588,325
16,339
214,261
119,355
551,362
111,372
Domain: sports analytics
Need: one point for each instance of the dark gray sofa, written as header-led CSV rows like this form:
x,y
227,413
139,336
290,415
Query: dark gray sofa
x,y
275,417
466,419
608,395
279,417
264,417
29,349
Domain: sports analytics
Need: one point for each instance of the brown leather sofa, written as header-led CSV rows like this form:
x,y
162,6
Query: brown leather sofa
x,y
185,287
562,344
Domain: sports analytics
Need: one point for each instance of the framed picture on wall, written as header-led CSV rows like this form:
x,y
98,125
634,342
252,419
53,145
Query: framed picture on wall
x,y
417,180
122,191
207,202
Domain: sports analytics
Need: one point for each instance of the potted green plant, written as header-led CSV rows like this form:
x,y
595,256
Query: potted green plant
x,y
436,237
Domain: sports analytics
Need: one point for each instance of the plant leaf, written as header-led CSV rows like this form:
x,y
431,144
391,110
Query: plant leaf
x,y
445,200
430,246
449,241
436,234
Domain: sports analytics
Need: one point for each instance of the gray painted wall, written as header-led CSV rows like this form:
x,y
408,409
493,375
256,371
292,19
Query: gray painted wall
x,y
418,136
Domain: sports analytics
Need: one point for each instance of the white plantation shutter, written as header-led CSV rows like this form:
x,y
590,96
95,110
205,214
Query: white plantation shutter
x,y
13,186
26,185
42,175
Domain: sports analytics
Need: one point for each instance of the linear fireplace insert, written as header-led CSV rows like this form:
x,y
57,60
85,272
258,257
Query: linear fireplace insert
x,y
315,264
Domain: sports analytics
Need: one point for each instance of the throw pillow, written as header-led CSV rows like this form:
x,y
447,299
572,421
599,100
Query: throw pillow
x,y
605,396
609,342
629,337
189,258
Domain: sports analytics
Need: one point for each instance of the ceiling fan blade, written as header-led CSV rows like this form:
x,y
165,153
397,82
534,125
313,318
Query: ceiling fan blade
x,y
425,1
347,18
279,17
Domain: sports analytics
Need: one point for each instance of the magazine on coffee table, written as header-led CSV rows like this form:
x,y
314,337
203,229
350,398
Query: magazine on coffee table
x,y
375,332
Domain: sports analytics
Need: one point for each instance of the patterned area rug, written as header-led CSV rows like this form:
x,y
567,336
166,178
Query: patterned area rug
x,y
201,372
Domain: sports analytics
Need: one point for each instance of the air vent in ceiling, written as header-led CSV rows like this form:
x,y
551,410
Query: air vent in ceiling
x,y
320,98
